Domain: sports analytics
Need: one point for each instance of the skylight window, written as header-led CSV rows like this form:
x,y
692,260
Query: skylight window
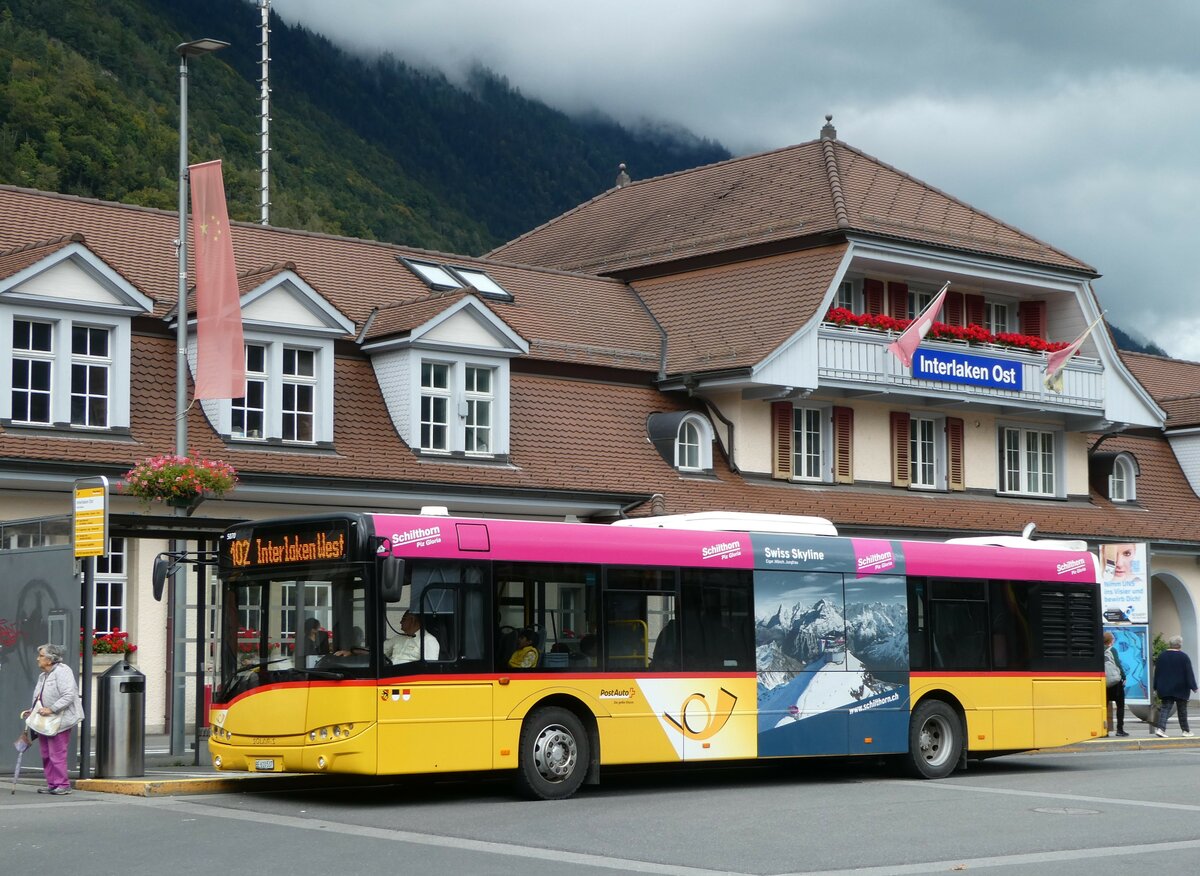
x,y
444,277
434,275
484,284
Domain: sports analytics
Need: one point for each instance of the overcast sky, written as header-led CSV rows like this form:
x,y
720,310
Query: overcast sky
x,y
1078,121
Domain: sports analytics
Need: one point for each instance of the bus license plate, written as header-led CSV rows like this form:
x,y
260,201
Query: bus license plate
x,y
265,763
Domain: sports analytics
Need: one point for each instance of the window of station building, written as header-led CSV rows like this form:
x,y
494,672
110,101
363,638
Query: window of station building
x,y
109,589
918,300
810,440
1029,462
927,451
443,277
289,394
997,317
1122,483
848,297
693,444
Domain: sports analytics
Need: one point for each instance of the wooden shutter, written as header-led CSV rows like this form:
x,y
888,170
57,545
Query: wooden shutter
x,y
955,476
843,445
952,313
873,297
976,309
901,469
1033,318
898,300
781,438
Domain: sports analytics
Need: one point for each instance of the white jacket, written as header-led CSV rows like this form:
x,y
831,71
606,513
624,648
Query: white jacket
x,y
58,692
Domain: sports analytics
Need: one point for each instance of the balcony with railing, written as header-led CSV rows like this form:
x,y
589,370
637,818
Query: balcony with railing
x,y
855,358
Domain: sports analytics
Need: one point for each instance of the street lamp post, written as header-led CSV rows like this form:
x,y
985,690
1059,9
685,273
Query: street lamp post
x,y
176,638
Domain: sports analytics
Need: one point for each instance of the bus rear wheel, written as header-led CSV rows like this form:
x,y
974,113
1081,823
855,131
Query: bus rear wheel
x,y
554,754
935,741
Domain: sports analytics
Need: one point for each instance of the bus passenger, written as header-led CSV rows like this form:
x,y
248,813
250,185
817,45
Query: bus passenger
x,y
412,640
526,656
316,640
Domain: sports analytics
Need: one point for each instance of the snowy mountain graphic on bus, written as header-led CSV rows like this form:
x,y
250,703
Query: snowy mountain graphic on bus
x,y
832,663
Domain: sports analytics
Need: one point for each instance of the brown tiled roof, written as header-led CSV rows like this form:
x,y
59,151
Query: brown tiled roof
x,y
811,189
1173,383
355,276
17,259
733,316
403,318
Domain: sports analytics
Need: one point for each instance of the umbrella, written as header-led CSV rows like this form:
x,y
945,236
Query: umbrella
x,y
20,745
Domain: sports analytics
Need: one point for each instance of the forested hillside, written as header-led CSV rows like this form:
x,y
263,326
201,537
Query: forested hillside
x,y
89,104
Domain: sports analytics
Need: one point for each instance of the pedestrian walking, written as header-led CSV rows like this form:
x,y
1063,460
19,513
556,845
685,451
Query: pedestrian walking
x,y
56,710
1114,680
1174,682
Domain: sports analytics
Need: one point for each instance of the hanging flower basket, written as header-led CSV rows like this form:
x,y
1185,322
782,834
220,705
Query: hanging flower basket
x,y
179,480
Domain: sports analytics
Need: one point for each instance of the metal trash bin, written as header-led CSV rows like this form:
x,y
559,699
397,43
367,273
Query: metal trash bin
x,y
121,723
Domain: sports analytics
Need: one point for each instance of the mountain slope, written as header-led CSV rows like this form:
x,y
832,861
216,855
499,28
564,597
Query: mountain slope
x,y
363,147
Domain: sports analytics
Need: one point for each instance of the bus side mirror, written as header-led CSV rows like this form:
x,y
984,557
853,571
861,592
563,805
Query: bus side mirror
x,y
162,568
391,579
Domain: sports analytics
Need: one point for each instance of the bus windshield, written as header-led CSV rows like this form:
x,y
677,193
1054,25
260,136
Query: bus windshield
x,y
294,625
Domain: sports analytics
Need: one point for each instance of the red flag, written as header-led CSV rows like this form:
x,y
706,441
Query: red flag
x,y
1057,361
904,345
220,351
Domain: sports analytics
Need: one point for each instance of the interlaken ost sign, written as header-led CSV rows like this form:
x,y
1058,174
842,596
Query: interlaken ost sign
x,y
967,368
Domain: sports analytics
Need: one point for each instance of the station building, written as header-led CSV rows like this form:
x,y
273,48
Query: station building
x,y
712,339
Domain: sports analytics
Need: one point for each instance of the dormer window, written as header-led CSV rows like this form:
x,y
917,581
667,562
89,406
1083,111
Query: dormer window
x,y
1122,483
444,278
693,444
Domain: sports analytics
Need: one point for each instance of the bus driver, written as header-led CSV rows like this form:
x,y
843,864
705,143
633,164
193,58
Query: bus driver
x,y
412,639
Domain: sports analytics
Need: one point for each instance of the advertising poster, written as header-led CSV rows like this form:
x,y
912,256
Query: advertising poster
x,y
1132,647
1124,583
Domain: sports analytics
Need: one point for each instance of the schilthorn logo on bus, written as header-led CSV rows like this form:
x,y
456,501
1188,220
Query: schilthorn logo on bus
x,y
726,550
876,562
418,537
1073,567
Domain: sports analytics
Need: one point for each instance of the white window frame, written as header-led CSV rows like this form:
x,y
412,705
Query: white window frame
x,y
802,439
992,310
1122,483
91,362
481,403
928,457
1031,461
849,296
699,428
918,300
434,392
61,359
463,405
112,571
294,381
256,378
274,379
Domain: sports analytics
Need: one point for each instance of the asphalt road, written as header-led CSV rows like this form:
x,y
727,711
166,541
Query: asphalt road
x,y
1066,814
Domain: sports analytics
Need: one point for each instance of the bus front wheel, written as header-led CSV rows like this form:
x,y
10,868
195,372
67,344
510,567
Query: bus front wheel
x,y
935,740
554,754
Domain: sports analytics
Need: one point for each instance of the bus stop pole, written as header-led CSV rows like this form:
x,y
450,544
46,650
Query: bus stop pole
x,y
201,653
89,635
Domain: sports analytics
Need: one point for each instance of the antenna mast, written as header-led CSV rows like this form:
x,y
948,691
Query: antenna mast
x,y
265,112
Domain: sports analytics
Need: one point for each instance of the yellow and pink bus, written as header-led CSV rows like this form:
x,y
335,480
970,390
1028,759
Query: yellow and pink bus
x,y
385,644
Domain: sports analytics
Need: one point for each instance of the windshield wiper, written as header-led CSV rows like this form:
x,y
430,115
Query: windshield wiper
x,y
322,673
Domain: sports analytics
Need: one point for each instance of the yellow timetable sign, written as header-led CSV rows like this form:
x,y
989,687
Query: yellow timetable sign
x,y
91,521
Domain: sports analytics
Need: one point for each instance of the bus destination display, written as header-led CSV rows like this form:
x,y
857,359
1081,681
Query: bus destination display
x,y
275,547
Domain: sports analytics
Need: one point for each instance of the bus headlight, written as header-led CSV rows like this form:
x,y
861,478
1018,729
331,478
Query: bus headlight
x,y
320,763
217,762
